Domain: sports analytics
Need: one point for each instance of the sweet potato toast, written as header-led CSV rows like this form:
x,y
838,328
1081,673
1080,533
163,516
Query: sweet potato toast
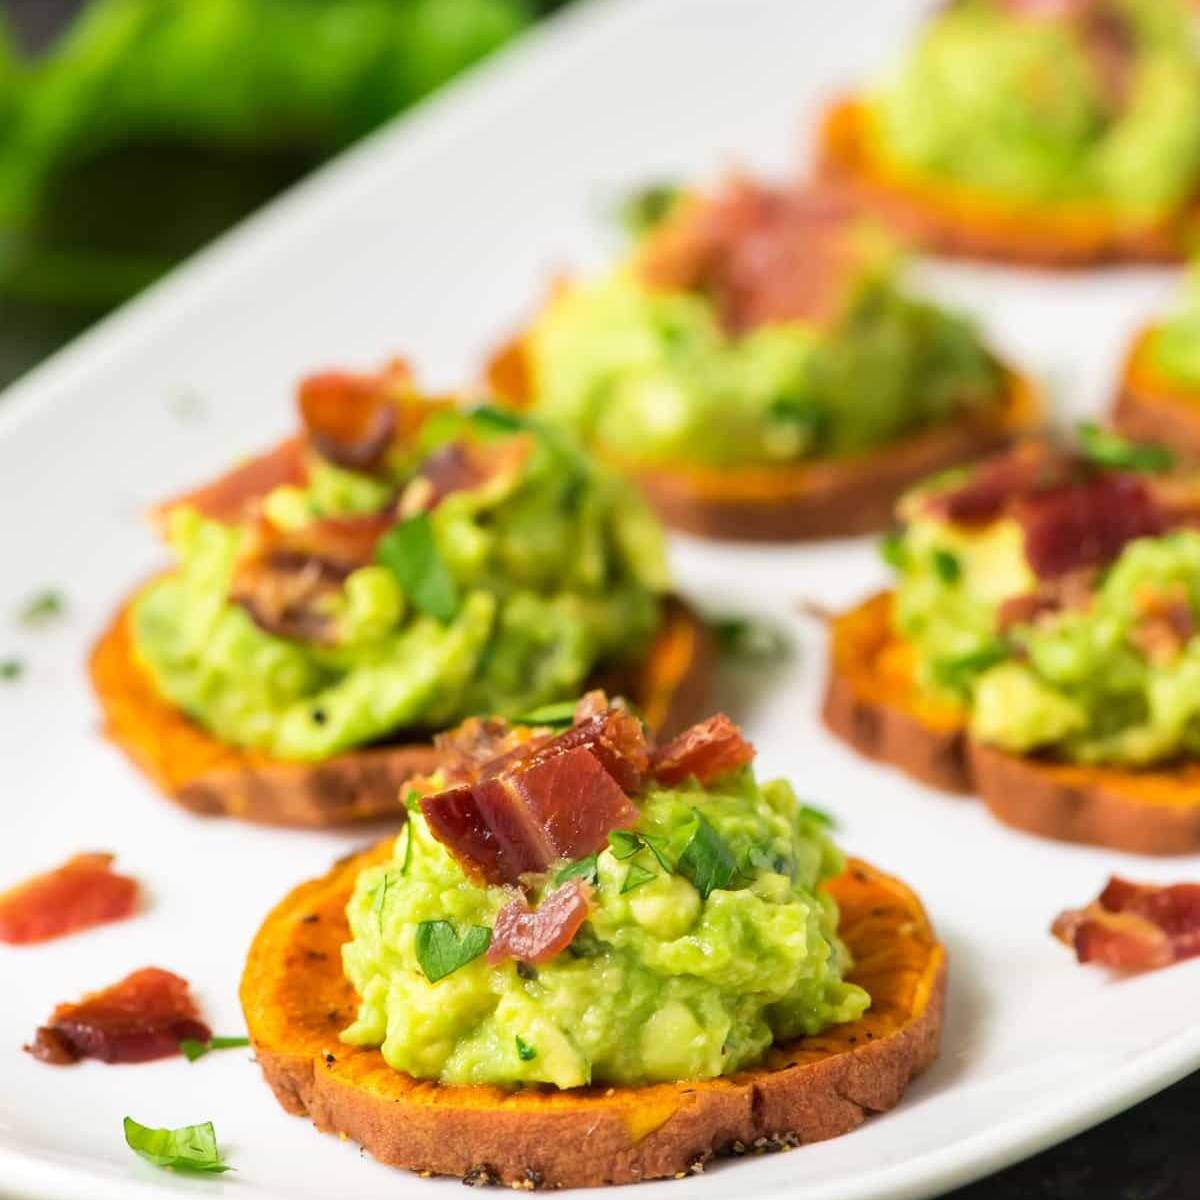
x,y
212,778
1151,408
296,1000
953,219
872,703
805,500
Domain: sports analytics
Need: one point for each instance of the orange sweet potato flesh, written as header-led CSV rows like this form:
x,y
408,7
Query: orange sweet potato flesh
x,y
212,778
1152,408
296,1000
953,219
805,500
872,702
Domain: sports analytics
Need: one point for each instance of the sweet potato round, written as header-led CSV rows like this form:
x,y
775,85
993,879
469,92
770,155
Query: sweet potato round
x,y
872,702
957,220
212,778
1152,408
296,1000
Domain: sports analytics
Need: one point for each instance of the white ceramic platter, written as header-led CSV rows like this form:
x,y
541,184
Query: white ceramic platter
x,y
433,239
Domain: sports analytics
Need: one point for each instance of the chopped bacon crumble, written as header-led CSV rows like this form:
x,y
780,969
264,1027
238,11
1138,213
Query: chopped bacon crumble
x,y
714,747
1134,926
537,935
145,1016
85,891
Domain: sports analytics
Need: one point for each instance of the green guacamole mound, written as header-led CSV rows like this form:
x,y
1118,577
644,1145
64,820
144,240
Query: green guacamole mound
x,y
651,377
1175,345
1079,685
1015,106
551,572
659,984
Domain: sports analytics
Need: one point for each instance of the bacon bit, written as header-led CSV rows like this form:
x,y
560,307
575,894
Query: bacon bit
x,y
464,752
1073,591
995,484
1165,623
144,1016
1134,926
463,466
763,254
83,892
712,748
352,419
236,494
537,936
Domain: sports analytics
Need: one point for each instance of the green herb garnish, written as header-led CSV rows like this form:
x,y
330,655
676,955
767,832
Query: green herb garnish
x,y
409,550
1108,449
562,713
11,668
497,420
584,868
525,1052
818,816
636,876
440,951
189,1148
946,566
751,639
954,673
42,608
648,206
624,844
381,898
706,860
192,1049
408,836
893,550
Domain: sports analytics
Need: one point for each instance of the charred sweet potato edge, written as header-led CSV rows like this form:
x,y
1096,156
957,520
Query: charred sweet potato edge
x,y
954,219
872,703
296,1000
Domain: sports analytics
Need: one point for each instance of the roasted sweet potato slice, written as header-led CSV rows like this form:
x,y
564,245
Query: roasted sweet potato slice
x,y
212,778
953,219
296,1001
806,500
872,703
1152,408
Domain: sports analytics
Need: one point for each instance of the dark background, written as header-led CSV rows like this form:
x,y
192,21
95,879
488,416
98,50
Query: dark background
x,y
1151,1152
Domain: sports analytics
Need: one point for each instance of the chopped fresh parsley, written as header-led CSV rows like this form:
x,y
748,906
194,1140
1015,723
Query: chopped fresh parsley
x,y
706,860
409,550
381,897
647,206
525,1052
892,549
1108,449
562,713
946,566
192,1049
624,844
43,608
636,876
189,1148
956,673
751,640
584,868
11,668
412,800
440,951
408,839
818,816
490,419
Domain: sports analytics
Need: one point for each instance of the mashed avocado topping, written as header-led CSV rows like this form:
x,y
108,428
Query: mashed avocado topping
x,y
655,370
1101,105
289,632
1175,345
674,975
1096,664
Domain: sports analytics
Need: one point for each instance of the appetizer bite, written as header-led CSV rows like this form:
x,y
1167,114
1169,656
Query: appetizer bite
x,y
586,960
758,367
1041,646
1158,398
1048,132
398,566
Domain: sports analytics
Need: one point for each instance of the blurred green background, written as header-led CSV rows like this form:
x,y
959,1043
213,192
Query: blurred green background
x,y
133,131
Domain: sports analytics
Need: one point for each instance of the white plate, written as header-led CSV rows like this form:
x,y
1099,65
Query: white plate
x,y
433,238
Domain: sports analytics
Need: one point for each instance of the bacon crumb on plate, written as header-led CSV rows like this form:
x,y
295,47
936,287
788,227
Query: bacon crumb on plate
x,y
1134,926
83,892
144,1016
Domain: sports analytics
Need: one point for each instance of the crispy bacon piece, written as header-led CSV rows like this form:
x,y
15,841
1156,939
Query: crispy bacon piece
x,y
500,827
763,254
83,892
1086,524
463,466
1134,926
236,494
995,484
465,751
144,1016
1164,624
1073,590
536,936
351,419
707,750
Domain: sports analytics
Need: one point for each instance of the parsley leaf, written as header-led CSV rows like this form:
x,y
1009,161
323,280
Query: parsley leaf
x,y
946,566
408,839
189,1148
410,552
636,876
818,816
706,860
562,713
11,668
893,550
491,419
647,206
750,639
584,868
525,1052
192,1049
956,673
655,845
1108,449
381,898
440,951
42,608
624,844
